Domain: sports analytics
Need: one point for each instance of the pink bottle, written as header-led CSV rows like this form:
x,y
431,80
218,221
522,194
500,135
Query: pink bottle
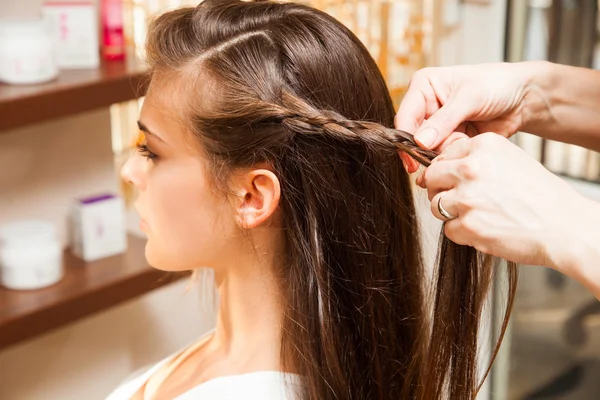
x,y
113,43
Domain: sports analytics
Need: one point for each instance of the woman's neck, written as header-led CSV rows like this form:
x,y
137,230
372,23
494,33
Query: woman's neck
x,y
250,313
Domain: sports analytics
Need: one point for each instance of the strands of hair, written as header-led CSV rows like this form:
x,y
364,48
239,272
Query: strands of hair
x,y
288,85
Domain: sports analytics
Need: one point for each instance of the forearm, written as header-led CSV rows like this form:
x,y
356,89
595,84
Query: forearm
x,y
576,253
562,103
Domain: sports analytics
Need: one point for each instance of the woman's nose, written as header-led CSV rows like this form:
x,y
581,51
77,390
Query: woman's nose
x,y
132,172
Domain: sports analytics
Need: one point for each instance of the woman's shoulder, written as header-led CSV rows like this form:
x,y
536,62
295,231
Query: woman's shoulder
x,y
272,385
133,382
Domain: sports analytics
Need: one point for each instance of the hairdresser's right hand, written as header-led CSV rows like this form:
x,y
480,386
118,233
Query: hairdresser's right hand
x,y
508,205
448,103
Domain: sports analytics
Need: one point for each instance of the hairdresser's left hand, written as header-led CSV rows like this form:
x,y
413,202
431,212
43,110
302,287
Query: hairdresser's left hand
x,y
507,204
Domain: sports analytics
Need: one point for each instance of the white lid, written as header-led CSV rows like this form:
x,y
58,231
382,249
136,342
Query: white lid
x,y
16,28
26,232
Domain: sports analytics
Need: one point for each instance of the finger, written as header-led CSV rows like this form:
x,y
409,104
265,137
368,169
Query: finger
x,y
412,111
441,176
410,164
454,136
448,203
440,125
418,104
455,231
458,149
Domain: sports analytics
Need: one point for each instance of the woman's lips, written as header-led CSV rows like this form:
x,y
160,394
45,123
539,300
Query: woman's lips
x,y
143,223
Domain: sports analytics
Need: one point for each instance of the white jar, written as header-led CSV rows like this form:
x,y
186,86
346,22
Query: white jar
x,y
30,255
27,53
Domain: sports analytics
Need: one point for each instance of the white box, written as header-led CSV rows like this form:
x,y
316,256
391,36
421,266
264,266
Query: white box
x,y
74,30
98,227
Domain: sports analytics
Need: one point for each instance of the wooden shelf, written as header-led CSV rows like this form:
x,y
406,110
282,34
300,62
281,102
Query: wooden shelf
x,y
73,92
85,289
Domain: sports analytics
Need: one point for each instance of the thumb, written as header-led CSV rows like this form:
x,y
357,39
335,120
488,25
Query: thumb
x,y
440,125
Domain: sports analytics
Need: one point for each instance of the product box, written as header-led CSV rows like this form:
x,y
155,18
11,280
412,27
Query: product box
x,y
74,30
98,227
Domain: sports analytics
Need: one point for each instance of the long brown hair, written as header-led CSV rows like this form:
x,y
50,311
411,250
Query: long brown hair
x,y
286,85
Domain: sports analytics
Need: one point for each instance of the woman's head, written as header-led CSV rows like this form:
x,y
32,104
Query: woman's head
x,y
191,222
276,128
233,88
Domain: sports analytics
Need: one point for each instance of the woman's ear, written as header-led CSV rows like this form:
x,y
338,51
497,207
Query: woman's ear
x,y
258,193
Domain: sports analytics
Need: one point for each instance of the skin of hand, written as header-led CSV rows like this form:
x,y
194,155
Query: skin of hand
x,y
508,205
491,97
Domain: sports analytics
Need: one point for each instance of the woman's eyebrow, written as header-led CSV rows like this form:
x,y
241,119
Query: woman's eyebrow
x,y
145,129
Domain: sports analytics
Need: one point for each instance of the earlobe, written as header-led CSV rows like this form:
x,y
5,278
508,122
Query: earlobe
x,y
259,194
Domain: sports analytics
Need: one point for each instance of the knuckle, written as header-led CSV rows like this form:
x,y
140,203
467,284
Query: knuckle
x,y
468,169
467,199
487,138
470,228
438,158
444,116
431,178
420,74
427,174
464,204
420,77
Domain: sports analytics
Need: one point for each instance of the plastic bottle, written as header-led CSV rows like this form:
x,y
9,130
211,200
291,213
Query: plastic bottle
x,y
113,38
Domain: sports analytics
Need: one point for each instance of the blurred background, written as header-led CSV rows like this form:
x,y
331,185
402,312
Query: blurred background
x,y
79,322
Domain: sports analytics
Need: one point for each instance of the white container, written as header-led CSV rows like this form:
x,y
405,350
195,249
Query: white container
x,y
98,227
26,52
30,255
74,30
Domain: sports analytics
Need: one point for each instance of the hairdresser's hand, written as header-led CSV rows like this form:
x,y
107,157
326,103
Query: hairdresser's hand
x,y
508,205
448,103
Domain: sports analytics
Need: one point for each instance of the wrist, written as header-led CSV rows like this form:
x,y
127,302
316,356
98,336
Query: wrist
x,y
538,78
575,250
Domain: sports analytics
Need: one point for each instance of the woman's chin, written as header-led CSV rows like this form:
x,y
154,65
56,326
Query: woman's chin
x,y
153,260
162,262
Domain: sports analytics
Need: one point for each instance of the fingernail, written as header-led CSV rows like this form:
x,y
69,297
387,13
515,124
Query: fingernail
x,y
427,137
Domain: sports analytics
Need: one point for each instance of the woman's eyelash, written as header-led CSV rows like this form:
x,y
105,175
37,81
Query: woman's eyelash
x,y
143,149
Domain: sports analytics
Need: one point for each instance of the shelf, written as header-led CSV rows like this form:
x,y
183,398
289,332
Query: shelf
x,y
85,289
73,92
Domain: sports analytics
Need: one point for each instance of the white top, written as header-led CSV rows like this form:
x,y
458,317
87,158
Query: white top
x,y
260,385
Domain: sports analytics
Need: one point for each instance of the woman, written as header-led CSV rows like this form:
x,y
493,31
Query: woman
x,y
255,164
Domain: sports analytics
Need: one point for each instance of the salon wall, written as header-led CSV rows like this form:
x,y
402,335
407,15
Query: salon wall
x,y
469,31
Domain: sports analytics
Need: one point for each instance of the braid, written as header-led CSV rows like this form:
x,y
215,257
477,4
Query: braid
x,y
300,117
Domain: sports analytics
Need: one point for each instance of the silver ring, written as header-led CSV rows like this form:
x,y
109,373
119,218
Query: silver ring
x,y
442,210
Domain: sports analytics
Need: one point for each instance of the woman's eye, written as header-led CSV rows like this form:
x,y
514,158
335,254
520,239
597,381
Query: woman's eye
x,y
143,150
